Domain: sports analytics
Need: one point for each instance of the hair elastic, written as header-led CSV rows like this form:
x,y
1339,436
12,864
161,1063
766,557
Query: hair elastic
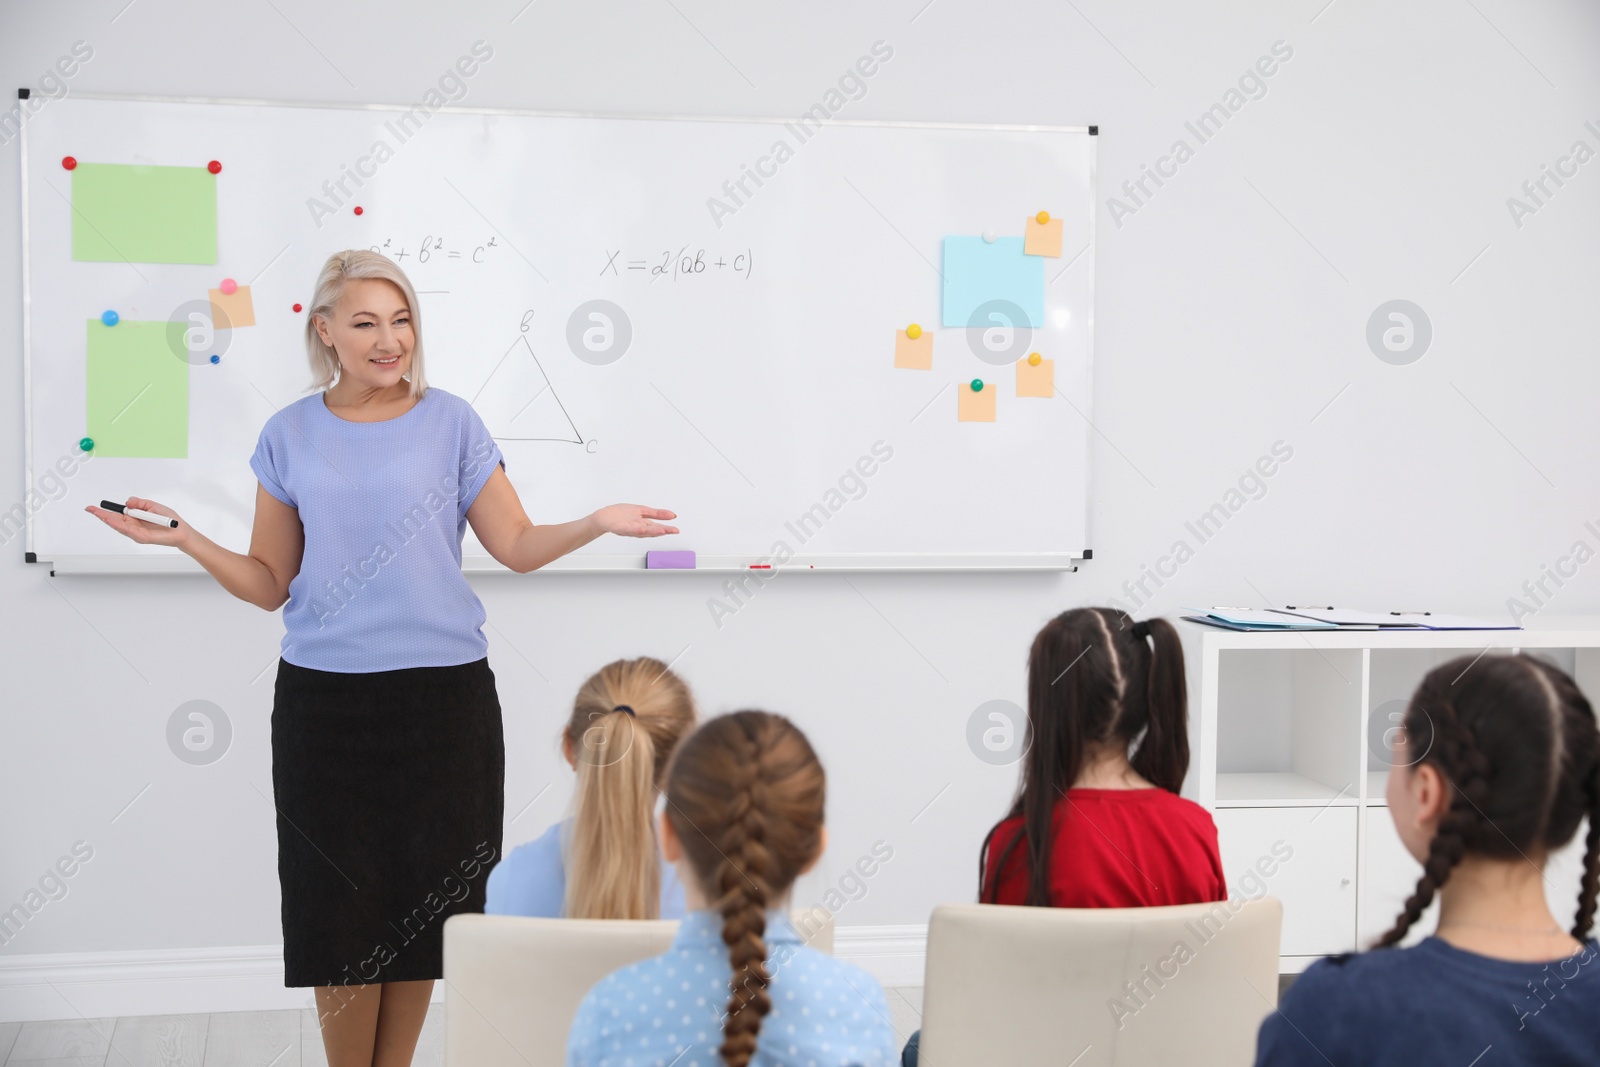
x,y
1141,629
624,707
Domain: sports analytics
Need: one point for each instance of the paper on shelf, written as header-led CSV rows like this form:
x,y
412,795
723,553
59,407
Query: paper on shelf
x,y
1262,619
1395,620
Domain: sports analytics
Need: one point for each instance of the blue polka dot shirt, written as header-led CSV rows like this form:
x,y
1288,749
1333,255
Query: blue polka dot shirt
x,y
668,1011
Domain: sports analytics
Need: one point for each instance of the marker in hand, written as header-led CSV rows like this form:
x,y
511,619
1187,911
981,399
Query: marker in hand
x,y
147,516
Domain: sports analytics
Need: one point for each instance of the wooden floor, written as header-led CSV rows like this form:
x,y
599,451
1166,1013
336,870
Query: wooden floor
x,y
244,1039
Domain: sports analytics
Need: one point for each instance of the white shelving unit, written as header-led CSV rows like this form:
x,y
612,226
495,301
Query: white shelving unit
x,y
1289,754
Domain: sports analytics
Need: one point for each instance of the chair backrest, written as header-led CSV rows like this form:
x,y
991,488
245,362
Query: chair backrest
x,y
513,984
1096,987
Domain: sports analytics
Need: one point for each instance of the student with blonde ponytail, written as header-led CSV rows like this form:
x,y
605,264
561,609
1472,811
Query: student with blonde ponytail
x,y
604,862
1497,766
738,987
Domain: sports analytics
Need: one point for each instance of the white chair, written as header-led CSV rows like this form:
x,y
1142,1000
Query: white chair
x,y
1099,987
512,985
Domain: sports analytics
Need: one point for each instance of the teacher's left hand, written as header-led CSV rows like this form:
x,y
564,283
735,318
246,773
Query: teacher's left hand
x,y
632,520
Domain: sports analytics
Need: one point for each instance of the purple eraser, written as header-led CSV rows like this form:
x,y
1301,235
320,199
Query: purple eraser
x,y
680,559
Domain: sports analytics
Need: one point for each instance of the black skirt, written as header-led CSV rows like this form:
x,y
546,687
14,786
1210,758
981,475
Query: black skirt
x,y
390,789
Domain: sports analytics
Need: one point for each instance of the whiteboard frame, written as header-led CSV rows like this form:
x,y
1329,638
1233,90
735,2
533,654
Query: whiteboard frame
x,y
179,563
831,563
27,342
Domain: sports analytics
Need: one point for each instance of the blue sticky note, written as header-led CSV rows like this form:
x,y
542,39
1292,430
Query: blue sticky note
x,y
977,272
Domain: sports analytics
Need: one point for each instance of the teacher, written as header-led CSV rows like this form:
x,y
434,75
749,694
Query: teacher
x,y
388,763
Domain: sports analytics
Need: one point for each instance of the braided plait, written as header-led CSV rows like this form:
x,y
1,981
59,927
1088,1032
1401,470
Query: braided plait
x,y
1575,791
1453,750
1591,858
743,882
745,796
1515,740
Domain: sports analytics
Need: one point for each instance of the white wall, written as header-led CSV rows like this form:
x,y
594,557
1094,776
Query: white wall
x,y
1233,310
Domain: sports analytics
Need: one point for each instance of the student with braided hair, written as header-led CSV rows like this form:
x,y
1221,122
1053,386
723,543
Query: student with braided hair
x,y
605,862
1498,766
739,987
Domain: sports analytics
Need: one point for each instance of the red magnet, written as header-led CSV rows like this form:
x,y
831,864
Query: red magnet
x,y
297,308
358,211
214,167
70,162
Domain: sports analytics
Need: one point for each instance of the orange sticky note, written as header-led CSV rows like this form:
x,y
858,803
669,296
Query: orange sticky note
x,y
913,353
232,309
1042,238
1036,381
975,405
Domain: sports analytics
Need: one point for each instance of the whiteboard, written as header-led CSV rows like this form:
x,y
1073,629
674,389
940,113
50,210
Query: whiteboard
x,y
757,386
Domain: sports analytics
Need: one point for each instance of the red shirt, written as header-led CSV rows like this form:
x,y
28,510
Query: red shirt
x,y
1118,848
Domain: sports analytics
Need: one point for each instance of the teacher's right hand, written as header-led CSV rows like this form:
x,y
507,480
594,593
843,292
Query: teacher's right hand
x,y
140,531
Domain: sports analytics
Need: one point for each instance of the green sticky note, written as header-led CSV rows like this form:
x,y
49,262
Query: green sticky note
x,y
127,213
138,392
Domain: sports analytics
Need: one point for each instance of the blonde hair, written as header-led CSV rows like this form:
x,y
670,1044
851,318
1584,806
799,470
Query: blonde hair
x,y
355,264
626,720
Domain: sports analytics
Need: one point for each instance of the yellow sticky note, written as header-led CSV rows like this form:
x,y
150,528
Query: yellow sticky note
x,y
1042,238
1036,381
232,309
913,353
975,405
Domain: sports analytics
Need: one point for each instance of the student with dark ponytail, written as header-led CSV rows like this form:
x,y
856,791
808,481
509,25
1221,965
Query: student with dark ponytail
x,y
1098,822
1498,765
739,987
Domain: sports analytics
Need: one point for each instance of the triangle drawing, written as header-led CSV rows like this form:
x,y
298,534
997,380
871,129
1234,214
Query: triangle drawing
x,y
519,403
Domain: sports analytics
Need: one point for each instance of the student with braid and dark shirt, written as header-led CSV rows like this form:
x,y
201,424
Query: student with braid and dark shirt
x,y
739,986
1498,766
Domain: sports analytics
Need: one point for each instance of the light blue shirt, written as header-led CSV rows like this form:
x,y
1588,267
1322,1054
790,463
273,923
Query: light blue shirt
x,y
384,508
668,1010
532,880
